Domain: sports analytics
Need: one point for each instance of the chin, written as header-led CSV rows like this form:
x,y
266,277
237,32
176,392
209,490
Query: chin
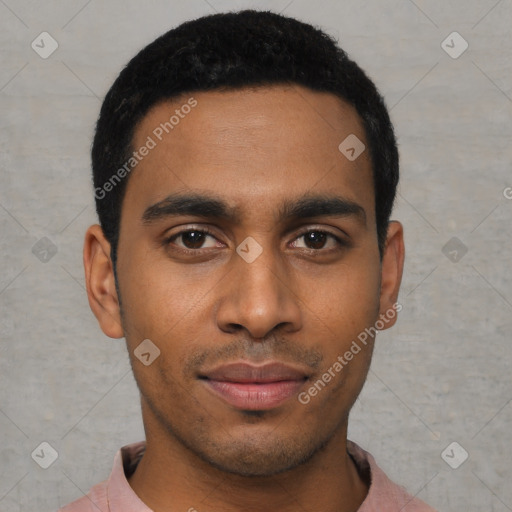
x,y
259,456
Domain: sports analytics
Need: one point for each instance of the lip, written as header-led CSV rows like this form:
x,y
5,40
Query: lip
x,y
250,387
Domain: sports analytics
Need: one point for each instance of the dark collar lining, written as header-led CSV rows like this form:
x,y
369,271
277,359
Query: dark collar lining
x,y
130,464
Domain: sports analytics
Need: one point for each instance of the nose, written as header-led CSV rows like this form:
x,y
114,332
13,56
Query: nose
x,y
259,296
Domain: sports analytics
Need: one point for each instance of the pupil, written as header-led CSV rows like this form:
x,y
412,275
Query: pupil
x,y
193,239
317,240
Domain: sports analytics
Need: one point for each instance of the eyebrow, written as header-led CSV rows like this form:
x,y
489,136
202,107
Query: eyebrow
x,y
208,206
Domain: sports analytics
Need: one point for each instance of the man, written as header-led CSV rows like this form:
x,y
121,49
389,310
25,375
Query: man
x,y
245,171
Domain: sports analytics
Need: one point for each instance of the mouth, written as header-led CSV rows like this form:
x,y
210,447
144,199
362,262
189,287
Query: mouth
x,y
254,388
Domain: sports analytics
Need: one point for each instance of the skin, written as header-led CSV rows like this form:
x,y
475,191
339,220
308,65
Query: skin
x,y
299,302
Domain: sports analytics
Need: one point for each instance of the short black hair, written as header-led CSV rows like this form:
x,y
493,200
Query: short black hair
x,y
228,51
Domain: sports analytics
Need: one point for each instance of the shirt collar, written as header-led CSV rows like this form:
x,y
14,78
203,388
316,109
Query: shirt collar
x,y
383,494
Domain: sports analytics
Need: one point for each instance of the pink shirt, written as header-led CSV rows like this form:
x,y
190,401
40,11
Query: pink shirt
x,y
116,495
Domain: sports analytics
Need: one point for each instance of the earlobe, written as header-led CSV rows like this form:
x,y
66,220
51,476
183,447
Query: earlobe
x,y
100,283
391,273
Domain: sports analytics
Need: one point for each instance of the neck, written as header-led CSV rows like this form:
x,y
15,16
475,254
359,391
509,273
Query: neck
x,y
170,478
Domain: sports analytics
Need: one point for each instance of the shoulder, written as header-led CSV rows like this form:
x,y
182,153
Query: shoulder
x,y
383,494
115,488
94,501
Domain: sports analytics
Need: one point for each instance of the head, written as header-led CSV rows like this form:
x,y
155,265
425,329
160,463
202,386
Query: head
x,y
229,52
234,229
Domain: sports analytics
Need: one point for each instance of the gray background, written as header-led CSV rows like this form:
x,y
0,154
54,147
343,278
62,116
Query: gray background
x,y
442,374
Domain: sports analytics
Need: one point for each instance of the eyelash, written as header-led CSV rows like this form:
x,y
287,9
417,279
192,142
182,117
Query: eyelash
x,y
204,230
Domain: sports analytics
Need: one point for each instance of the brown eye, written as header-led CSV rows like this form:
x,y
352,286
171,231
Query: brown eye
x,y
317,240
192,239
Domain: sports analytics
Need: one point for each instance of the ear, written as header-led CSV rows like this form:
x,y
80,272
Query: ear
x,y
100,283
391,273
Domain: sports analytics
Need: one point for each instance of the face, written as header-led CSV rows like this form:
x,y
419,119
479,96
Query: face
x,y
248,256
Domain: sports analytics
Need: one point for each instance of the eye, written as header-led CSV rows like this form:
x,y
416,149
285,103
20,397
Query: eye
x,y
317,239
192,239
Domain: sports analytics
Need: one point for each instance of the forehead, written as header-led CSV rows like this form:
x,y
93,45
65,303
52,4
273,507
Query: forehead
x,y
251,146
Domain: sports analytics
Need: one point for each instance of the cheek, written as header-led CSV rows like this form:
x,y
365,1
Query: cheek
x,y
347,301
158,300
344,310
